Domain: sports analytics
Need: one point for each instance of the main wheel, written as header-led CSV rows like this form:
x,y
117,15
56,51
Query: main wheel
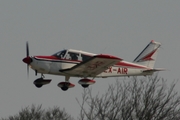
x,y
85,85
64,88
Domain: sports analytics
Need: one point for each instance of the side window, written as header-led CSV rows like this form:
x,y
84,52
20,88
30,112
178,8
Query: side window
x,y
72,56
85,57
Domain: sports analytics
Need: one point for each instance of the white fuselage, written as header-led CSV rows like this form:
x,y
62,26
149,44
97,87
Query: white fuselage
x,y
122,69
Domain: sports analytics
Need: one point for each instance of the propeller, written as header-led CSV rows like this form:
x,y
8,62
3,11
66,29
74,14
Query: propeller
x,y
27,55
27,59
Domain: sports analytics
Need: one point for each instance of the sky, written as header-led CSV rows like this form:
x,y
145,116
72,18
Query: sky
x,y
119,27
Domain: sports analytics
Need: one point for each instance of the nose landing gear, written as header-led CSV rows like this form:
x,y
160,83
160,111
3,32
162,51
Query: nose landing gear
x,y
41,81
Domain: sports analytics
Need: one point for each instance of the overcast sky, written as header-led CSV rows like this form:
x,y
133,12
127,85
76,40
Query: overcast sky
x,y
118,27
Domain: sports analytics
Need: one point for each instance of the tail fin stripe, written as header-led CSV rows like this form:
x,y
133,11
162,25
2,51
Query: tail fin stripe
x,y
148,56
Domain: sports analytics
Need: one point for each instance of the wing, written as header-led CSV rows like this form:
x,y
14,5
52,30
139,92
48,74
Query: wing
x,y
93,66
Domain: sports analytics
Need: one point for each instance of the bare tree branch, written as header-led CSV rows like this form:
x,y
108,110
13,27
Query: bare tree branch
x,y
137,99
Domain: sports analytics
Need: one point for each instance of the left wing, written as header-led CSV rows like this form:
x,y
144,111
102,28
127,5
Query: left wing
x,y
93,66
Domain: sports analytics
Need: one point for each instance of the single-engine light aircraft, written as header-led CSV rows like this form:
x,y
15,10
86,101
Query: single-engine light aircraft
x,y
77,63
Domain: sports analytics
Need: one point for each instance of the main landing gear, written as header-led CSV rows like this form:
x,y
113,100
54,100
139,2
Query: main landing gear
x,y
66,85
86,82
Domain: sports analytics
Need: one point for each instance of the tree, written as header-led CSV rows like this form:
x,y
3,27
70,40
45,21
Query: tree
x,y
138,99
37,113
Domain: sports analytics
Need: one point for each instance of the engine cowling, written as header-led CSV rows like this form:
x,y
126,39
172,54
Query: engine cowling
x,y
86,82
65,85
40,82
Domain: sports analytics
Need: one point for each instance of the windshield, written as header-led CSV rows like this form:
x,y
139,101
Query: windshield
x,y
60,54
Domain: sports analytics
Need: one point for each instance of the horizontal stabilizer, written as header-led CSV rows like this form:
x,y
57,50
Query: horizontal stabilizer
x,y
155,70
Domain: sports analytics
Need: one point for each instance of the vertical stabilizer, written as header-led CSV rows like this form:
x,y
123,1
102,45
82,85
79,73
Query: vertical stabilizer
x,y
148,56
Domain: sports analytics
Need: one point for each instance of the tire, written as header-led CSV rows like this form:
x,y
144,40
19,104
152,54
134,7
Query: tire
x,y
85,85
38,85
64,88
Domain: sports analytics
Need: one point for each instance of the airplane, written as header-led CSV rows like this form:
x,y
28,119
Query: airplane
x,y
77,63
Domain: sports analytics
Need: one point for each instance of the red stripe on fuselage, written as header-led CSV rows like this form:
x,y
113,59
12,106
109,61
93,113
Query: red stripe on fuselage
x,y
53,58
121,63
47,57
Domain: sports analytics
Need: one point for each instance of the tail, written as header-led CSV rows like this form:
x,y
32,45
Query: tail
x,y
148,56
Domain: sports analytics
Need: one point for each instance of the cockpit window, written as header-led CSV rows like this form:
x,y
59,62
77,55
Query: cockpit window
x,y
72,56
60,54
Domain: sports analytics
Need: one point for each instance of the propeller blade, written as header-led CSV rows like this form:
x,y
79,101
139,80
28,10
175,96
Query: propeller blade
x,y
27,49
27,55
28,71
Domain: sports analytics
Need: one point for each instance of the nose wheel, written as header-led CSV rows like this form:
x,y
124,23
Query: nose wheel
x,y
38,85
40,82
